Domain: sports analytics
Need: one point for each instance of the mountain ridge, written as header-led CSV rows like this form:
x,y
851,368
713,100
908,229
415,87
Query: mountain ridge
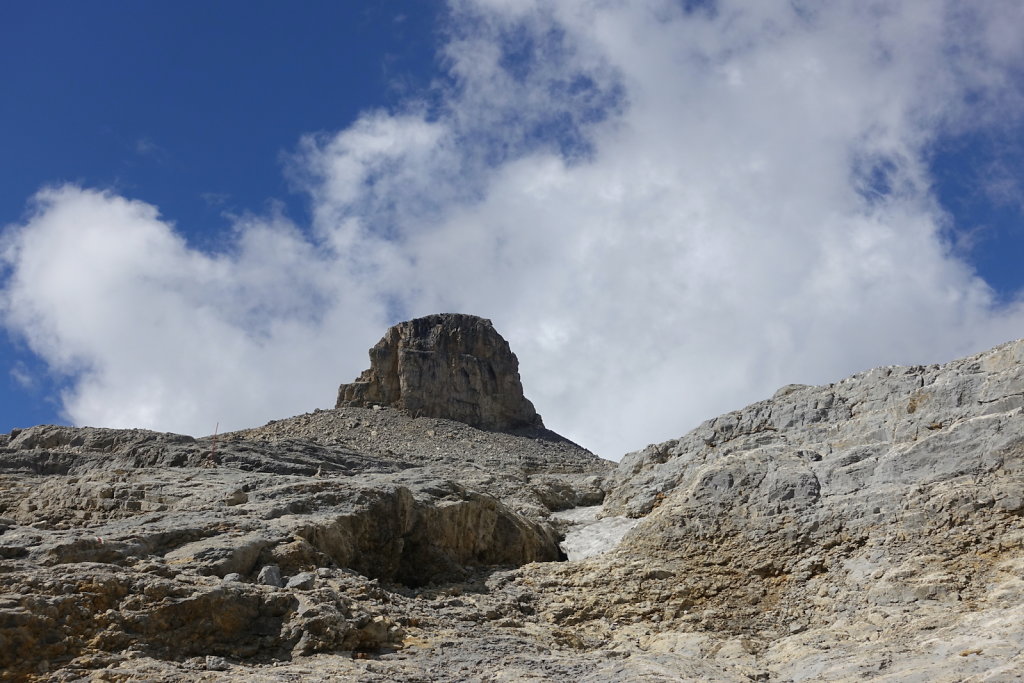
x,y
868,528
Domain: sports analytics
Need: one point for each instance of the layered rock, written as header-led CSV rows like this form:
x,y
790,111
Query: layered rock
x,y
868,529
129,540
448,365
871,528
276,542
861,440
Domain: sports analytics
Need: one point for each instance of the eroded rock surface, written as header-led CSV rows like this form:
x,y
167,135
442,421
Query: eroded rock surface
x,y
448,365
266,545
869,529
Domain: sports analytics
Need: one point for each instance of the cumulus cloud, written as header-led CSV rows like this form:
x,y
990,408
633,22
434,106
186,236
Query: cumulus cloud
x,y
669,212
154,333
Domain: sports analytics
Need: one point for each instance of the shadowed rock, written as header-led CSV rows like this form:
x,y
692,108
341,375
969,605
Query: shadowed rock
x,y
447,365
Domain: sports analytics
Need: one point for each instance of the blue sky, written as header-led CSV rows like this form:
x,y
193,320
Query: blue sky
x,y
685,204
190,106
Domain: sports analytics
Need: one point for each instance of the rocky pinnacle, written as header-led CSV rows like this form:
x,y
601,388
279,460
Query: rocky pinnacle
x,y
447,365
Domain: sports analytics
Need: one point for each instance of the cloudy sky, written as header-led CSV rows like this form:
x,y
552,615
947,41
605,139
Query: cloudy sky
x,y
669,208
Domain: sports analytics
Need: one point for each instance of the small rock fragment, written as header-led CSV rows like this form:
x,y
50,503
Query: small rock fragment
x,y
216,664
303,581
236,497
270,575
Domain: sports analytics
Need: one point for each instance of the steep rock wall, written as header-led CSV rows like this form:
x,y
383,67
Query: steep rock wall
x,y
447,365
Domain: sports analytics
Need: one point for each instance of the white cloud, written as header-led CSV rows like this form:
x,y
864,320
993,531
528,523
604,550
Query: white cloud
x,y
23,376
667,214
157,334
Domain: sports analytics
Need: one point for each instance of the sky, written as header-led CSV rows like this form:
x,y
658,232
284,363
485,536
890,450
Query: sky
x,y
209,211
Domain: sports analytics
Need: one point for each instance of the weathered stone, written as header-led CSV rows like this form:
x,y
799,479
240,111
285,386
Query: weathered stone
x,y
81,534
222,555
270,575
872,528
216,664
303,581
447,365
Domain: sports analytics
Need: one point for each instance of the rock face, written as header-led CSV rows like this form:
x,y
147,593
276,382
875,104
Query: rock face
x,y
863,439
448,365
115,540
868,529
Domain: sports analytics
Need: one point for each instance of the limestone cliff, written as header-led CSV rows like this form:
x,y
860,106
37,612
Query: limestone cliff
x,y
448,365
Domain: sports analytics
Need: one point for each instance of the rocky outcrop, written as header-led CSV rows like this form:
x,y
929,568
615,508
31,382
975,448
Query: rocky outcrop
x,y
128,540
871,528
278,542
862,440
448,365
868,529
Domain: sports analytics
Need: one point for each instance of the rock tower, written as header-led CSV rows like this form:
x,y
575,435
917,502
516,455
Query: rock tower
x,y
447,365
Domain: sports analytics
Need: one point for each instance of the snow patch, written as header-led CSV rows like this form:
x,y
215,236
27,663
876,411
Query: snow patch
x,y
589,535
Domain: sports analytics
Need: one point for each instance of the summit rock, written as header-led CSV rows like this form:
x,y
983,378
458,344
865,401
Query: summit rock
x,y
448,365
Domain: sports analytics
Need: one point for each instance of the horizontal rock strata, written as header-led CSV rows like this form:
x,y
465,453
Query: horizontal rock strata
x,y
447,365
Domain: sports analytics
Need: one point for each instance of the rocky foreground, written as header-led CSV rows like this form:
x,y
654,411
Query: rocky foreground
x,y
868,529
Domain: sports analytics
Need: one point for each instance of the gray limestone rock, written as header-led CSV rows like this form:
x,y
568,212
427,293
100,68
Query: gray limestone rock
x,y
137,527
865,437
447,365
868,529
270,575
303,581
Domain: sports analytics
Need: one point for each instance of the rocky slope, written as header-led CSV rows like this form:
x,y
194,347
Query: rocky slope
x,y
126,539
873,528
